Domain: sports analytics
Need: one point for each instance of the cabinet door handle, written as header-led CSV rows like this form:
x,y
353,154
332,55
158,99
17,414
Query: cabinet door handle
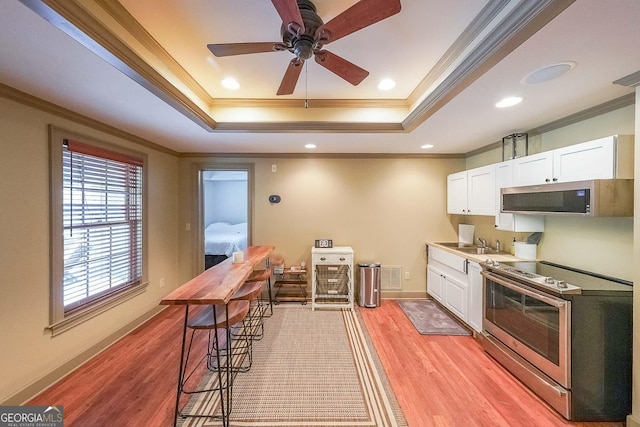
x,y
547,180
465,266
323,259
342,259
555,179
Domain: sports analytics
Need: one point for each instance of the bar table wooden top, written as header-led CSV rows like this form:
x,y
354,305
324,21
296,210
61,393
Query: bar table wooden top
x,y
218,284
214,286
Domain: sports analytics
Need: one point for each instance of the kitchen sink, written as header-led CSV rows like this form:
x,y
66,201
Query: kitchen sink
x,y
468,248
457,245
477,250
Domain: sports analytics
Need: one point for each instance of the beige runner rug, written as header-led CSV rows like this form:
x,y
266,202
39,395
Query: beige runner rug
x,y
312,368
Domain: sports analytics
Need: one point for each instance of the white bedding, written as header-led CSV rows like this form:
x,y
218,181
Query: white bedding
x,y
221,238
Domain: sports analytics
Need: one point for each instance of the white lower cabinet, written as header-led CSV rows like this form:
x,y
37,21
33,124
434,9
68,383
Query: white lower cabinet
x,y
474,304
456,283
435,285
455,298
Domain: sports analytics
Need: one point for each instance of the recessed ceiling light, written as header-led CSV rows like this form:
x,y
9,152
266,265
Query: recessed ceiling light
x,y
548,72
509,102
310,146
386,84
230,83
425,146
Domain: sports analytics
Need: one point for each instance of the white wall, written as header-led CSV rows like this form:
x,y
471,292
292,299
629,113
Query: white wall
x,y
225,201
29,353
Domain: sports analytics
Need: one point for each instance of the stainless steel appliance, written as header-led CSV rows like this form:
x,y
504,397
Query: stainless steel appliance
x,y
369,290
600,197
563,332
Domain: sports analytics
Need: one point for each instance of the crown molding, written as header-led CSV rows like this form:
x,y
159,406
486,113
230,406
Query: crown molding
x,y
121,15
479,23
524,20
598,110
48,107
323,155
74,20
310,103
307,126
589,113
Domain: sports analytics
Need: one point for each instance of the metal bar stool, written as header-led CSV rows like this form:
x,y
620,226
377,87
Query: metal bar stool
x,y
263,276
253,326
219,356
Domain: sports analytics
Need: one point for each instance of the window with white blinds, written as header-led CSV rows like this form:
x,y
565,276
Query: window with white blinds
x,y
102,223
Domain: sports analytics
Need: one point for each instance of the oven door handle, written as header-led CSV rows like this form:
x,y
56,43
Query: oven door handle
x,y
555,302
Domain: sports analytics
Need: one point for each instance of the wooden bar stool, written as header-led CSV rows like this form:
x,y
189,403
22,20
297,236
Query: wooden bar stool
x,y
219,356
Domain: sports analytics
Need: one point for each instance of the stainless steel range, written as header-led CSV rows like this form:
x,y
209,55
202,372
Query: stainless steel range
x,y
564,332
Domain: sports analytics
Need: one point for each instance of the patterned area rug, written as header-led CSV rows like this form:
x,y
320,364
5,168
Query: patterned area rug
x,y
429,319
312,368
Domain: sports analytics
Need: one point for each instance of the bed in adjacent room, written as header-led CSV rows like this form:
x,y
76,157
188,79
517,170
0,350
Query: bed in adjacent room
x,y
222,239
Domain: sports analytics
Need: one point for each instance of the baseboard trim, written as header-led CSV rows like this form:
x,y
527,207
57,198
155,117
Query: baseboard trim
x,y
633,421
48,380
402,295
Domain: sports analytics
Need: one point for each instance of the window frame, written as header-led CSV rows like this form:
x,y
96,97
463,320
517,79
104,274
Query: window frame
x,y
59,320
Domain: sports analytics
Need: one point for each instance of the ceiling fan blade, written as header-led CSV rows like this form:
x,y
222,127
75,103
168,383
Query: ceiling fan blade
x,y
230,49
290,14
359,16
341,67
290,78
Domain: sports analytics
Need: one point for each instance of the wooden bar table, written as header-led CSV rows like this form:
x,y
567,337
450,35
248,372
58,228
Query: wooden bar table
x,y
214,286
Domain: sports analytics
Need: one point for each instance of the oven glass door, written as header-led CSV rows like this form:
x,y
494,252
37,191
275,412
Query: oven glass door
x,y
533,324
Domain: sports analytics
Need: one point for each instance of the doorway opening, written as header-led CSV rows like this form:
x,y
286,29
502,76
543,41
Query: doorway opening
x,y
225,214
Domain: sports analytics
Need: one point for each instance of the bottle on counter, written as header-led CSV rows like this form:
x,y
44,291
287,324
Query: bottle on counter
x,y
512,248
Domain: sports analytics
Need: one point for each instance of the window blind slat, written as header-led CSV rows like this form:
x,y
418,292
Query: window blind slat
x,y
102,222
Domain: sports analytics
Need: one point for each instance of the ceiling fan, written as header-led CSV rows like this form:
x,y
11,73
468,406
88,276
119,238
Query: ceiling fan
x,y
304,34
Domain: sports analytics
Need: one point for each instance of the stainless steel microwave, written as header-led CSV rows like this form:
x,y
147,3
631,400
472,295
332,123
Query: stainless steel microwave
x,y
599,197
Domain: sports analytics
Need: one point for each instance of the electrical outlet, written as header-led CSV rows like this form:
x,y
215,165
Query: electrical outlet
x,y
162,282
407,275
274,168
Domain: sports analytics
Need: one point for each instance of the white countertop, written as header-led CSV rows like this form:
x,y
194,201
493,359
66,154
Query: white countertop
x,y
501,257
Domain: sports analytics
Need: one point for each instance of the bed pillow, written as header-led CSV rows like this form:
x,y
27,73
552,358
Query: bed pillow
x,y
218,226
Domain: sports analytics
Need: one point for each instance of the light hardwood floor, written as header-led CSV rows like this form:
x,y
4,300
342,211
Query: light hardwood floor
x,y
438,380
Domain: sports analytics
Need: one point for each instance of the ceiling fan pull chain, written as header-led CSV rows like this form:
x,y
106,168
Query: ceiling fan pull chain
x,y
306,85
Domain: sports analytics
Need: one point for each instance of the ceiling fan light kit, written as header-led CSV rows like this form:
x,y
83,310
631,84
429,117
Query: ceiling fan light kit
x,y
304,34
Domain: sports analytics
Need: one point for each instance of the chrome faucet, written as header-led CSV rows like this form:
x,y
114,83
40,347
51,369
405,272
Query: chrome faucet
x,y
482,242
497,245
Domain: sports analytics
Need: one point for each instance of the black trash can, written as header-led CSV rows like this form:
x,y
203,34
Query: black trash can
x,y
369,289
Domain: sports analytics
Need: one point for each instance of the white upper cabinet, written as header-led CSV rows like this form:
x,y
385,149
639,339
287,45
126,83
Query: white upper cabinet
x,y
508,221
604,158
477,191
532,170
457,193
472,192
481,191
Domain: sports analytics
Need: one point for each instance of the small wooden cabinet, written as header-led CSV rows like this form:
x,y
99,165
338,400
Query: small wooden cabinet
x,y
332,277
291,285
